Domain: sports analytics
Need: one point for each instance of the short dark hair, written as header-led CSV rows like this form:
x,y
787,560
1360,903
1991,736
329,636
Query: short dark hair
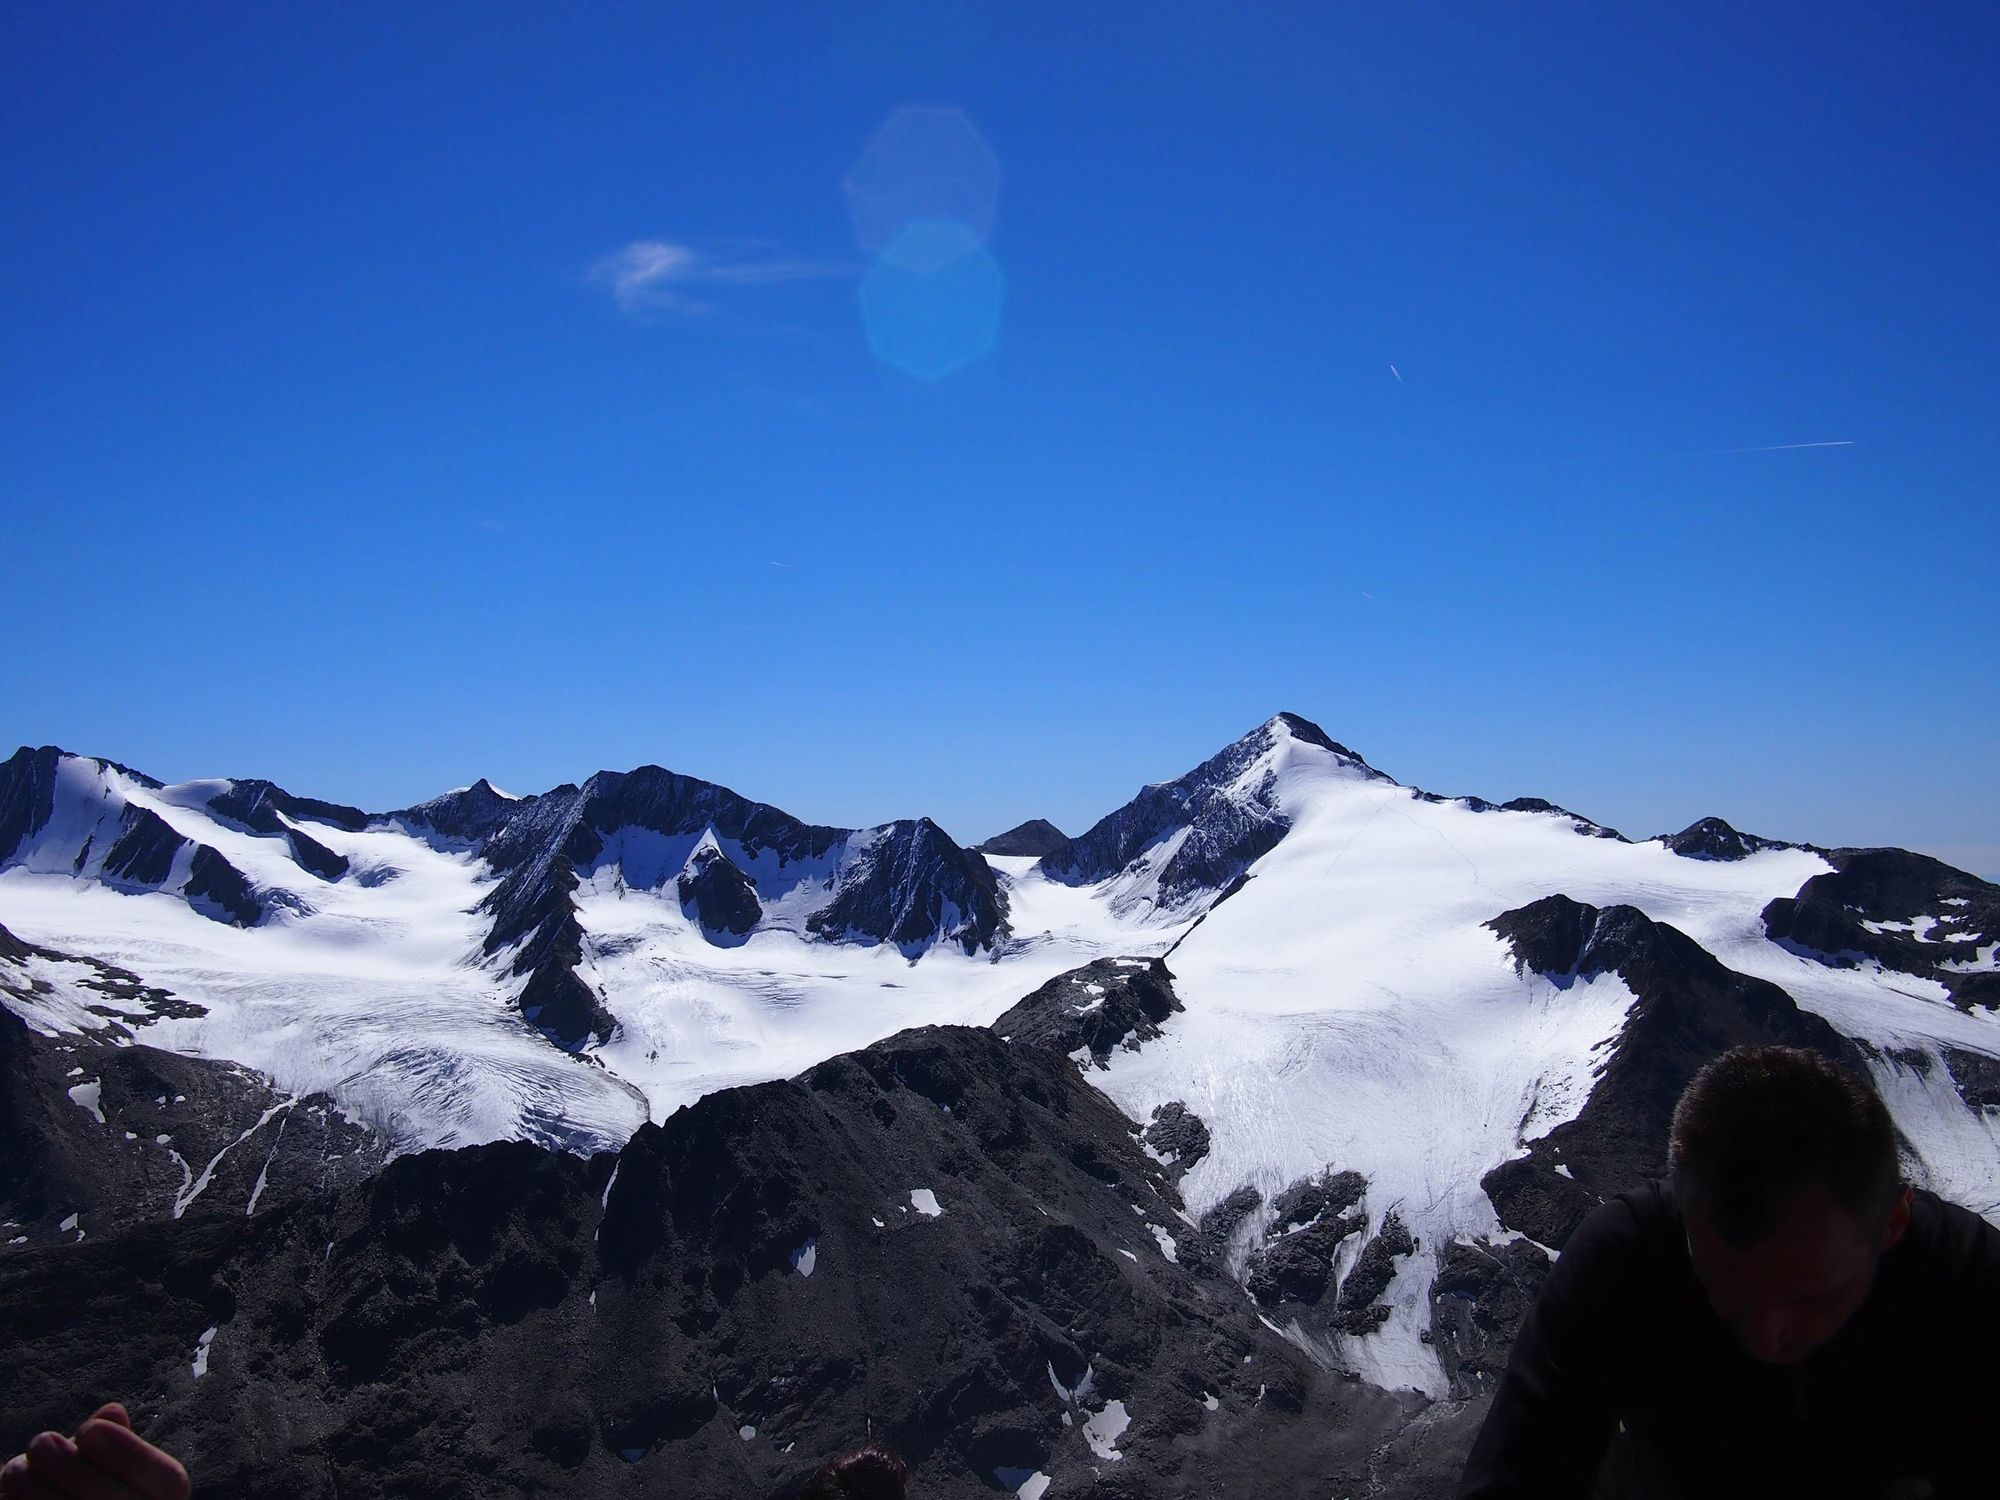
x,y
871,1472
1758,1125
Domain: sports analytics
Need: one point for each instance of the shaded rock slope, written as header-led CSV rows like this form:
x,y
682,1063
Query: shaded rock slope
x,y
1907,912
946,1239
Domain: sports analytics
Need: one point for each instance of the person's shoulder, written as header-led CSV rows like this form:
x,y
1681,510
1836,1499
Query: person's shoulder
x,y
1951,1244
1631,1234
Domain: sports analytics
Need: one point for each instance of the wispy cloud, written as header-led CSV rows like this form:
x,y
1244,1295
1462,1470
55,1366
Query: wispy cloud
x,y
649,276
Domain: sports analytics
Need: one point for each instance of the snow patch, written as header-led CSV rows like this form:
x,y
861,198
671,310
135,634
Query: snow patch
x,y
87,1095
924,1201
1105,1427
805,1257
201,1347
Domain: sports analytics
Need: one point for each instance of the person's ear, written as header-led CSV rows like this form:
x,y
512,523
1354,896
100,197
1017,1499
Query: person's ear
x,y
1898,1221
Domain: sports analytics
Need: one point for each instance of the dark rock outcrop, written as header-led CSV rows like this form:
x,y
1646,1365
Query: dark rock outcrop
x,y
470,814
1298,1266
718,895
1711,838
1178,1135
1036,838
1688,1008
1107,1004
740,1292
1359,1310
1228,826
912,886
1904,911
1976,1077
1312,1198
130,847
143,854
27,795
256,805
1481,1295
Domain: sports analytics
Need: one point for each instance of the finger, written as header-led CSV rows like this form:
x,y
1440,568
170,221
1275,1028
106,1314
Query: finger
x,y
122,1453
112,1411
19,1482
56,1460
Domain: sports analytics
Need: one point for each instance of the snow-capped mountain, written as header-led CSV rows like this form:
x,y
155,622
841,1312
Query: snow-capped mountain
x,y
1381,1039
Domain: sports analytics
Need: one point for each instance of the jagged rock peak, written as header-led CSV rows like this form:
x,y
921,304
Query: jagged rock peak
x,y
1035,839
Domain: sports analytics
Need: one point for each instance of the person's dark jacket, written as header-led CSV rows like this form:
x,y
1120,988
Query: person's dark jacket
x,y
1622,1343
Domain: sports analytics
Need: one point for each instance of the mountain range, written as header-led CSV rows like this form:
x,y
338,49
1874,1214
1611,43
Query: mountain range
x,y
638,1129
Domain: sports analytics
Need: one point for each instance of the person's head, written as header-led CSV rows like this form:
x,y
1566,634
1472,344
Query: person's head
x,y
1785,1167
870,1472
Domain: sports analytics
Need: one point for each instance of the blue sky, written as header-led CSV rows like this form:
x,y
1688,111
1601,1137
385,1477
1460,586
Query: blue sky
x,y
396,395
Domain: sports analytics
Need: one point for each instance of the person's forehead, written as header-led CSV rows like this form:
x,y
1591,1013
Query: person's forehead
x,y
1813,1239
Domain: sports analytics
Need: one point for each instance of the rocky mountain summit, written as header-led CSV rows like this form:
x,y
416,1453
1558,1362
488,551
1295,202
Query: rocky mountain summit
x,y
1033,839
1199,832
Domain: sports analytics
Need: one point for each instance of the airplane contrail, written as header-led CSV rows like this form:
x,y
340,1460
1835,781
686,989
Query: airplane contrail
x,y
1769,448
1397,373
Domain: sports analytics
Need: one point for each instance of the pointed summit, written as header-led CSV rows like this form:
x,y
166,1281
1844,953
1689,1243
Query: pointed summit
x,y
1182,840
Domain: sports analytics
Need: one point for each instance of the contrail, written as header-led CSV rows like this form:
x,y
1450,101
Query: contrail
x,y
1397,373
1770,448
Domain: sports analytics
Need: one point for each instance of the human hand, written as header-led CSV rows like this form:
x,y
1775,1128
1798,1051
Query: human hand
x,y
106,1460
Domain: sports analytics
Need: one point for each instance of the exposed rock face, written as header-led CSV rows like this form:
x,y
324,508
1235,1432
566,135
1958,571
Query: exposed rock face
x,y
905,883
1316,1197
27,795
1711,838
1178,1136
1975,1076
1689,1008
99,1132
1482,1294
257,804
913,886
1035,839
933,1239
1359,1311
125,845
1225,817
1107,1004
1217,1230
469,815
717,894
1907,912
1296,1265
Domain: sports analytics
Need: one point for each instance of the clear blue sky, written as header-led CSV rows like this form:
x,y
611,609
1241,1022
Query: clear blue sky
x,y
393,395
